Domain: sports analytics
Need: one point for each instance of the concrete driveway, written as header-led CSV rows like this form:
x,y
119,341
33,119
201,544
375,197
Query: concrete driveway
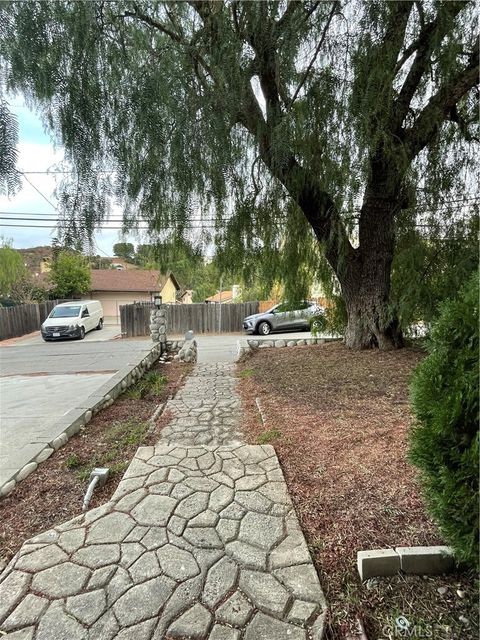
x,y
40,382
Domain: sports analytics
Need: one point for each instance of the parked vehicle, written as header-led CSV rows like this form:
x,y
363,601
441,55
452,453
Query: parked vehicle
x,y
283,317
72,320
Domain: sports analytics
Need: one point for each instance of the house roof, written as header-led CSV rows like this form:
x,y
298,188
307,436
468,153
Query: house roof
x,y
129,280
220,297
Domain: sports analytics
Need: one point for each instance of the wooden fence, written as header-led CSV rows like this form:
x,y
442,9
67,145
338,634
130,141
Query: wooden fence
x,y
24,318
200,318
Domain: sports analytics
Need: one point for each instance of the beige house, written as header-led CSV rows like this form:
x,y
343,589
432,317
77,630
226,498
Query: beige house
x,y
114,288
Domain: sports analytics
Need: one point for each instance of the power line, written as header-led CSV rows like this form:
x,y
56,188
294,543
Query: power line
x,y
39,192
132,230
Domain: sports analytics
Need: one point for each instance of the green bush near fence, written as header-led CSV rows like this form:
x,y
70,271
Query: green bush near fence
x,y
445,439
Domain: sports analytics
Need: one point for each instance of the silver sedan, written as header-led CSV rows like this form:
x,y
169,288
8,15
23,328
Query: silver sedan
x,y
283,317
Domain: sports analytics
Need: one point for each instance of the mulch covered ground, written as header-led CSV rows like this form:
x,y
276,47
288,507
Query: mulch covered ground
x,y
339,421
54,492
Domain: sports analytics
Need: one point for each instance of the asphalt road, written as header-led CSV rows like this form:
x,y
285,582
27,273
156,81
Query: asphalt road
x,y
40,382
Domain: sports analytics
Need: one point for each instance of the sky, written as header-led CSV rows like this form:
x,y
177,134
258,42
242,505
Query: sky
x,y
37,153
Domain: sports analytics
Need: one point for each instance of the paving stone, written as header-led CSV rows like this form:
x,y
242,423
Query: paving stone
x,y
27,613
100,577
246,555
219,632
87,607
55,624
227,529
220,579
193,624
261,530
154,510
155,538
301,612
192,505
302,581
253,501
97,555
265,627
42,558
177,563
142,631
12,590
143,601
265,591
292,550
220,498
235,611
145,567
70,541
65,579
206,537
113,527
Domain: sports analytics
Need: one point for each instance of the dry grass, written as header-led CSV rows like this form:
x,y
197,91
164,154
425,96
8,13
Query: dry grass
x,y
341,419
54,492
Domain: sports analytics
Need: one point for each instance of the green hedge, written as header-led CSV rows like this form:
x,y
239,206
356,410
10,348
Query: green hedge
x,y
445,439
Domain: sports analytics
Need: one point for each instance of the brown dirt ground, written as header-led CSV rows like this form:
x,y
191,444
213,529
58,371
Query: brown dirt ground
x,y
54,492
339,422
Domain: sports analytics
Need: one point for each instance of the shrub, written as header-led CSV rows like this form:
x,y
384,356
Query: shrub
x,y
445,439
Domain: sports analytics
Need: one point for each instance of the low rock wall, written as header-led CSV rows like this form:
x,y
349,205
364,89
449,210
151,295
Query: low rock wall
x,y
250,344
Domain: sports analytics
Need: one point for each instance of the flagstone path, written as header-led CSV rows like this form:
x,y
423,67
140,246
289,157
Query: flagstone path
x,y
198,541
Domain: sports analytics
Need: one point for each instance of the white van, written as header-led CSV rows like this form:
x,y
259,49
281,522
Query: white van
x,y
72,320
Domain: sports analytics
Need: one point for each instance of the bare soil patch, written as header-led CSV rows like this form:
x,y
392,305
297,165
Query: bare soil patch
x,y
339,421
54,492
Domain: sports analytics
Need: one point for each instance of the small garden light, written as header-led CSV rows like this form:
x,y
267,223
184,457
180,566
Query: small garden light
x,y
157,300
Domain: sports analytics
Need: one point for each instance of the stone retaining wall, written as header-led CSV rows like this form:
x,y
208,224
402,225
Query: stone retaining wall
x,y
187,352
158,325
70,423
250,344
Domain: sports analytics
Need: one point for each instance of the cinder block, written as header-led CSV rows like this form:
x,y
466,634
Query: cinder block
x,y
377,562
426,560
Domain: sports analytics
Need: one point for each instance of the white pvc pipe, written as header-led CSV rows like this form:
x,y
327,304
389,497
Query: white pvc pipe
x,y
88,495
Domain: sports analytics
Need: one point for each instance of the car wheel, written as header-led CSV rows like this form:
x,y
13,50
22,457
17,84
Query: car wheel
x,y
100,325
264,328
82,333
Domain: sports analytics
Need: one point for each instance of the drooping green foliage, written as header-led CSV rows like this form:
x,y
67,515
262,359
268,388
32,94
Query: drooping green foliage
x,y
429,268
291,134
9,177
12,269
445,440
69,275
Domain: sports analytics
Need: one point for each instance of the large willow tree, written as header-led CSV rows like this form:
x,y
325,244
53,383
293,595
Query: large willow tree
x,y
283,121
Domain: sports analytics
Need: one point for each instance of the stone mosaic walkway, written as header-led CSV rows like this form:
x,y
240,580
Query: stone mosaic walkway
x,y
197,542
206,411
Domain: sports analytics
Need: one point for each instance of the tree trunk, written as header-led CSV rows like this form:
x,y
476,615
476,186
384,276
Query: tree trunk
x,y
371,321
365,281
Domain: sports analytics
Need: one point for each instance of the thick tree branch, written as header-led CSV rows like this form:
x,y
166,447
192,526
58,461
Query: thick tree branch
x,y
430,36
440,105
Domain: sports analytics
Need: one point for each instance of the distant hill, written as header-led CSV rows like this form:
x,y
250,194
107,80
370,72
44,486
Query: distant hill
x,y
37,259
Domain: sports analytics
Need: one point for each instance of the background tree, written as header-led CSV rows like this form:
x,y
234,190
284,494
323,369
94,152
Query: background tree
x,y
313,121
124,250
69,275
12,269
